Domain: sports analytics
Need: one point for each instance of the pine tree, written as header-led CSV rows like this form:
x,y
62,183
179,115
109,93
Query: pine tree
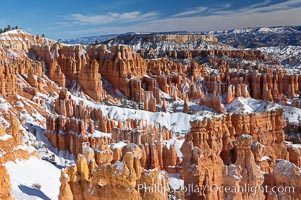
x,y
96,42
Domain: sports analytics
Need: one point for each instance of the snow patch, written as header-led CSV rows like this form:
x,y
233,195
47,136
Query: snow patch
x,y
26,175
5,137
175,181
118,145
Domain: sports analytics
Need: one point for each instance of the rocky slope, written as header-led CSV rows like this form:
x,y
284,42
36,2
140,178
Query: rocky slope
x,y
260,37
289,56
90,40
253,37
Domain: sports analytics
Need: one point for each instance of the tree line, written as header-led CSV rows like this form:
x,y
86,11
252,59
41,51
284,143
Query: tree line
x,y
8,28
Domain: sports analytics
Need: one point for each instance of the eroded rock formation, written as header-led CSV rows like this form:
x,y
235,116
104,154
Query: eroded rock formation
x,y
81,129
125,179
218,152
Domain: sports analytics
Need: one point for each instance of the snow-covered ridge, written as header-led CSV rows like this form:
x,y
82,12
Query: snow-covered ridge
x,y
27,175
15,31
286,168
17,34
90,40
283,53
250,105
181,120
19,39
288,56
246,105
260,36
254,30
168,42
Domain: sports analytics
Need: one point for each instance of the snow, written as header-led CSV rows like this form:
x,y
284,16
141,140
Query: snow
x,y
181,120
291,114
265,158
245,105
5,137
269,29
118,145
250,105
297,145
4,106
175,181
254,31
205,115
246,136
28,118
13,54
165,95
178,144
27,148
282,54
232,172
15,31
5,124
147,172
98,134
238,31
120,167
141,41
25,174
286,168
45,149
19,104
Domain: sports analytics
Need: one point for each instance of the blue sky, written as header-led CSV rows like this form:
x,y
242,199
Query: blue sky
x,y
75,18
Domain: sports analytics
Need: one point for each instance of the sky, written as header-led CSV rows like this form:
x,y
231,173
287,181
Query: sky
x,y
63,19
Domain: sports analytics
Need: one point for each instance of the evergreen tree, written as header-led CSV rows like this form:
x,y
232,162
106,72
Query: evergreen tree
x,y
96,42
